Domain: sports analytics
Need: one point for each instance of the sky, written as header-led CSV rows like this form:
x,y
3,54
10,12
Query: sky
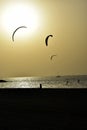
x,y
28,55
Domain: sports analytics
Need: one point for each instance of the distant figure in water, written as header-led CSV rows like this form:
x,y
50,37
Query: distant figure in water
x,y
67,82
40,86
78,80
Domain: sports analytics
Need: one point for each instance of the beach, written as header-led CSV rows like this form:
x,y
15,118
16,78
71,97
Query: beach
x,y
43,109
39,103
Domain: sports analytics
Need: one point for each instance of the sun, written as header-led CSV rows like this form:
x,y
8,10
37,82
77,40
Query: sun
x,y
20,14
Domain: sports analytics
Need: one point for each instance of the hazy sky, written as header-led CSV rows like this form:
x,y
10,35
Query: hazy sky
x,y
28,55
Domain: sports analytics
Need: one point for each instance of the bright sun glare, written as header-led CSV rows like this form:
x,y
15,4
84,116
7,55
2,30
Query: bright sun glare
x,y
20,14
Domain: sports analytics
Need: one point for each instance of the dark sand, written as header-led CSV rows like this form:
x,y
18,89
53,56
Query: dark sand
x,y
43,109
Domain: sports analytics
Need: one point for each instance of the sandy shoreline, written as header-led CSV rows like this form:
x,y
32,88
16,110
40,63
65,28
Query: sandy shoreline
x,y
44,108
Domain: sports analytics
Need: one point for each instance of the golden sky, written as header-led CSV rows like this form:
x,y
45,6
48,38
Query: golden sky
x,y
28,55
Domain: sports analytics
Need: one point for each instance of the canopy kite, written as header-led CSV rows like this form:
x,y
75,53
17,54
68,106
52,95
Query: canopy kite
x,y
46,40
16,30
52,56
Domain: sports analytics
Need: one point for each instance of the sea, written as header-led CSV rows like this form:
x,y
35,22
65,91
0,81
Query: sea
x,y
77,81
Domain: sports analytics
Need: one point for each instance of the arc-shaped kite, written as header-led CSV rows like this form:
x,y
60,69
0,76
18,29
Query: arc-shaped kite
x,y
46,40
52,56
16,30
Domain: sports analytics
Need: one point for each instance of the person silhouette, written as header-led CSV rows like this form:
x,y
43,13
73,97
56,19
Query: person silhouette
x,y
67,82
40,86
78,80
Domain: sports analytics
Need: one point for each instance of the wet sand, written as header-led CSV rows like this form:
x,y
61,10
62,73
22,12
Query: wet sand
x,y
43,109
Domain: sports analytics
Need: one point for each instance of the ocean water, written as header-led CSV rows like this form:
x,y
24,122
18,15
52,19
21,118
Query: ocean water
x,y
47,82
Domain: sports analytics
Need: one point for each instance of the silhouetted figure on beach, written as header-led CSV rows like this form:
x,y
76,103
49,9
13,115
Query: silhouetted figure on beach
x,y
40,86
